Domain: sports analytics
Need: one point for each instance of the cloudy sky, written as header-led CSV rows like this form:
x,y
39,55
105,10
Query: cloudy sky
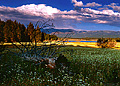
x,y
67,14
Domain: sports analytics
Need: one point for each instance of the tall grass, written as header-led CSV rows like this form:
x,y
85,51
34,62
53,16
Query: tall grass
x,y
97,65
89,67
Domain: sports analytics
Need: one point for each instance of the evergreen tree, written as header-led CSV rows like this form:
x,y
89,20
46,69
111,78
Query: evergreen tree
x,y
23,37
12,32
7,31
42,37
2,23
53,37
19,32
27,37
15,30
47,36
30,30
38,34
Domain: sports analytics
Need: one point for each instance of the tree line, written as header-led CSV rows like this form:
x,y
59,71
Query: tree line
x,y
12,31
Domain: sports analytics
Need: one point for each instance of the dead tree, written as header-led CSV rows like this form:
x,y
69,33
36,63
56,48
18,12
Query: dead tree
x,y
44,54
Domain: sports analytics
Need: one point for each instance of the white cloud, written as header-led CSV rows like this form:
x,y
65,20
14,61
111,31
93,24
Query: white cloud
x,y
108,12
74,1
66,19
93,4
37,10
102,17
114,6
67,12
100,21
79,4
3,8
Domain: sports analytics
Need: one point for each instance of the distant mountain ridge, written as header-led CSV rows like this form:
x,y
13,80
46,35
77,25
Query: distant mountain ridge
x,y
83,34
49,31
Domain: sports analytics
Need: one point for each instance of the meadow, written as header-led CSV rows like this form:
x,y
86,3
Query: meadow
x,y
88,67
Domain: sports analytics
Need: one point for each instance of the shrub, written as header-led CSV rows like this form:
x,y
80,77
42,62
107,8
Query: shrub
x,y
106,42
2,48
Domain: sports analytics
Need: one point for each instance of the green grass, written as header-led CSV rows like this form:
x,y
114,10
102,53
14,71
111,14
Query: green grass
x,y
99,65
89,67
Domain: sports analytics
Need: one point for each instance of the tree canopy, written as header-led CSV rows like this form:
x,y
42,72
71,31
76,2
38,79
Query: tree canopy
x,y
12,31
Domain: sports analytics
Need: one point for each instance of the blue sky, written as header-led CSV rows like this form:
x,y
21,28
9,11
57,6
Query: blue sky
x,y
67,14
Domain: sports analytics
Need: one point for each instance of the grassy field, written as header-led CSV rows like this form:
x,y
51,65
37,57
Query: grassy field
x,y
89,67
82,44
100,65
90,44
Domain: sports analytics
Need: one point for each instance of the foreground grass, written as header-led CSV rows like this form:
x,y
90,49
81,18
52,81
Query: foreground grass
x,y
98,65
89,67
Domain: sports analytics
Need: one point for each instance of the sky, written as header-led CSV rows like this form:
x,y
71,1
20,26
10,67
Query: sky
x,y
66,14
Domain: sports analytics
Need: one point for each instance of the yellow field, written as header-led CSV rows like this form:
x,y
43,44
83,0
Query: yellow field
x,y
117,46
90,44
38,44
82,44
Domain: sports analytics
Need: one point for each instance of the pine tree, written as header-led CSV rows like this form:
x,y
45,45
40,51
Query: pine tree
x,y
2,23
38,34
7,31
30,30
42,37
19,32
47,36
15,30
23,33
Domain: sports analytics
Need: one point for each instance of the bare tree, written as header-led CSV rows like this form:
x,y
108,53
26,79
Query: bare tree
x,y
41,52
